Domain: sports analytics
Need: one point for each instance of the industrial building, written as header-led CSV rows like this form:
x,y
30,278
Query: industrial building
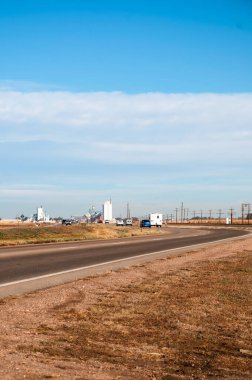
x,y
41,215
107,211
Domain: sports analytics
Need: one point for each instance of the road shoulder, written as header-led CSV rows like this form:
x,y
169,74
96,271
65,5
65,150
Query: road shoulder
x,y
37,329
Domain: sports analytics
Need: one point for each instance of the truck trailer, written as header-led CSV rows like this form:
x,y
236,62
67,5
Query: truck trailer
x,y
156,220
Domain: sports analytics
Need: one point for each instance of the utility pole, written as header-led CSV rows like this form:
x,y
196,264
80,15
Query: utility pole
x,y
128,211
176,210
220,213
182,208
231,215
201,216
193,217
188,213
247,205
210,215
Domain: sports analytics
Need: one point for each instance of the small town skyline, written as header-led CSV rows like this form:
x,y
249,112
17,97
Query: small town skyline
x,y
105,212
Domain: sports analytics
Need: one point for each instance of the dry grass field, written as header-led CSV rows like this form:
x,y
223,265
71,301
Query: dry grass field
x,y
30,233
190,324
213,222
34,234
184,317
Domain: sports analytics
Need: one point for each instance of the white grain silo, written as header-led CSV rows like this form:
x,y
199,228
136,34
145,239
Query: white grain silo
x,y
40,214
107,211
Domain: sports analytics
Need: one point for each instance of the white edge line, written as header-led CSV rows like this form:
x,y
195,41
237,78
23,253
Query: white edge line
x,y
116,261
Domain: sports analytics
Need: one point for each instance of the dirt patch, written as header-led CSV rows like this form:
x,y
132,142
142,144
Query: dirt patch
x,y
186,317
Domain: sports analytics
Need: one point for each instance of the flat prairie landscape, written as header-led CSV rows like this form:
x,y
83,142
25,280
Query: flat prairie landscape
x,y
31,233
183,317
35,234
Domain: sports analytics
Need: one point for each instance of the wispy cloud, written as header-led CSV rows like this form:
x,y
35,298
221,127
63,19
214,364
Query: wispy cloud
x,y
176,140
114,110
127,121
26,86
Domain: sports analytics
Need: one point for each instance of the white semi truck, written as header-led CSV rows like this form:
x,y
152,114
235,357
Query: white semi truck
x,y
156,220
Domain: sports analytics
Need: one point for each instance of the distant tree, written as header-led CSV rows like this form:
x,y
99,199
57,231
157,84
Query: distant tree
x,y
57,219
23,218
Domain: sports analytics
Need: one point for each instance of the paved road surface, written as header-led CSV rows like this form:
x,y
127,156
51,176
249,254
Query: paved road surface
x,y
21,266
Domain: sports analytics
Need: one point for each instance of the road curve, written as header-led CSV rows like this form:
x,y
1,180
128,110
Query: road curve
x,y
27,268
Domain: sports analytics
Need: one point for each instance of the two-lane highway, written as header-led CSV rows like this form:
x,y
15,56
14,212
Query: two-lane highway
x,y
51,264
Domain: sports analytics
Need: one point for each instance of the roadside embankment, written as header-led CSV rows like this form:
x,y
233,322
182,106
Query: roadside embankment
x,y
182,317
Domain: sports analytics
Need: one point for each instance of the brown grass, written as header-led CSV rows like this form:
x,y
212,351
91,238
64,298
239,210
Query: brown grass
x,y
58,233
190,324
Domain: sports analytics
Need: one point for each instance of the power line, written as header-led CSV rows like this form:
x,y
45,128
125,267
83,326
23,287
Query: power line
x,y
220,214
176,210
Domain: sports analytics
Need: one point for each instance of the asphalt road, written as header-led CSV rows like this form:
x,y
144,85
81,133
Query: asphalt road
x,y
27,263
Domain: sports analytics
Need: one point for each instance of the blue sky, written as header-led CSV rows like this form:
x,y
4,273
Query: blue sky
x,y
144,101
133,46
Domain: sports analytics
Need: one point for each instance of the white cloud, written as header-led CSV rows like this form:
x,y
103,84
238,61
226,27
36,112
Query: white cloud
x,y
117,109
198,143
138,128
